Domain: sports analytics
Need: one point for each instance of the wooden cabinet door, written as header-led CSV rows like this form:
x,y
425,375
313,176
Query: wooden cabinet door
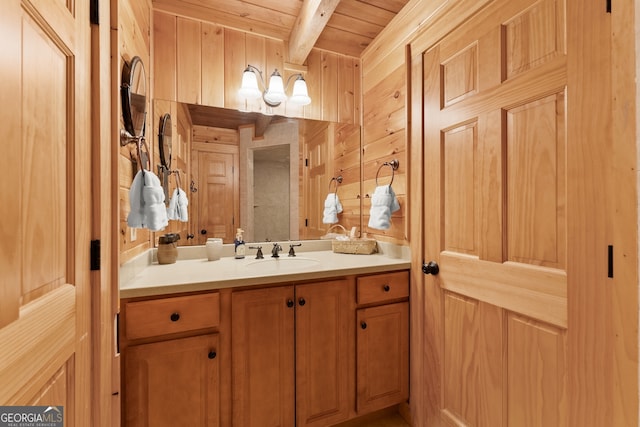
x,y
496,106
322,353
382,349
262,340
173,383
45,206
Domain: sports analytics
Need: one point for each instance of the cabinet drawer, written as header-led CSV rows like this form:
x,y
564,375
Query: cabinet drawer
x,y
382,287
171,315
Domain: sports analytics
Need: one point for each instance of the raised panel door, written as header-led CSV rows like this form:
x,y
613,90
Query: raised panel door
x,y
46,206
322,352
262,341
495,217
175,382
218,194
382,361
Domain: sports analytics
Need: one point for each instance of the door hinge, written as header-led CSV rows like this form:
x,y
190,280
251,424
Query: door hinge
x,y
94,12
608,6
95,255
306,222
116,325
610,261
306,162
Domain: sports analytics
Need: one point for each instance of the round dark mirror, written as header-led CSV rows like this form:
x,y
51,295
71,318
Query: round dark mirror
x,y
164,141
134,97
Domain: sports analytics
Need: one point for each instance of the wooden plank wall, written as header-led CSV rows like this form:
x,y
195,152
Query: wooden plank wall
x,y
134,29
385,104
201,62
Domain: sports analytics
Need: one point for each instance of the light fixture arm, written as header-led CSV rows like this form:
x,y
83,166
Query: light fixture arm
x,y
252,68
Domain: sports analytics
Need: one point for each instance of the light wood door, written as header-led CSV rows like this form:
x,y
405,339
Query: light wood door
x,y
218,194
45,198
316,176
322,353
175,382
382,349
496,212
262,349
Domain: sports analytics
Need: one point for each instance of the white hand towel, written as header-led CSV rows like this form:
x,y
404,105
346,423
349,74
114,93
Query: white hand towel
x,y
177,209
383,203
332,207
135,219
155,212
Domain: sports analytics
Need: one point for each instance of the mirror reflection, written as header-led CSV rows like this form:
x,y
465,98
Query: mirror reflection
x,y
268,175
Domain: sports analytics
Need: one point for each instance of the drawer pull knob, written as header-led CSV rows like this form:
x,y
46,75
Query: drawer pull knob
x,y
175,317
289,303
363,325
212,354
386,288
302,301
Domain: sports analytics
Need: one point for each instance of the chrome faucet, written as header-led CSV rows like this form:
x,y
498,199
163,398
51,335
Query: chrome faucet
x,y
274,251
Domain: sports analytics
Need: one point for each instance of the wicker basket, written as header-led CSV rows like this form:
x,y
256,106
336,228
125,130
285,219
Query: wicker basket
x,y
354,246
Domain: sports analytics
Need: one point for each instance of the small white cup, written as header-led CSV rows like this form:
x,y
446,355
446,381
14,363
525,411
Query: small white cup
x,y
214,248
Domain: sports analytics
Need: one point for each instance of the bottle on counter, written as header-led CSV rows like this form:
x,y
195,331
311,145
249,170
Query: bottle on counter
x,y
239,244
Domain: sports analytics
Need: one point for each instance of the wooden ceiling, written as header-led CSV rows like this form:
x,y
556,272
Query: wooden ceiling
x,y
341,26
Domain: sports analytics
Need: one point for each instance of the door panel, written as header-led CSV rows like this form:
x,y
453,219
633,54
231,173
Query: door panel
x,y
46,210
218,193
494,152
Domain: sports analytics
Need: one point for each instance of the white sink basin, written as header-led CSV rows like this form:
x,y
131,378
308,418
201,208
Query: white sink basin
x,y
282,264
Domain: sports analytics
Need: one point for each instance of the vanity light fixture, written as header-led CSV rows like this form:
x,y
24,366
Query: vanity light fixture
x,y
274,94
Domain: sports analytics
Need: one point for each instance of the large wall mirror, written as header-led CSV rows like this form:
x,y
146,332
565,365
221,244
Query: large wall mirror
x,y
284,167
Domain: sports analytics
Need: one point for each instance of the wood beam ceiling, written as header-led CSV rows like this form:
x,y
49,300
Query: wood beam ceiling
x,y
309,24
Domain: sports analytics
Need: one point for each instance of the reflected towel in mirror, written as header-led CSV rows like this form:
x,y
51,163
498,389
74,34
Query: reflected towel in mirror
x,y
177,209
332,207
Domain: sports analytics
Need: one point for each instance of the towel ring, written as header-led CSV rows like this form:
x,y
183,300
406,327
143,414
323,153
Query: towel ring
x,y
338,180
393,164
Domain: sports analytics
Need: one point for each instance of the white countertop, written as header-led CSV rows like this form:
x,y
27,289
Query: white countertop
x,y
189,275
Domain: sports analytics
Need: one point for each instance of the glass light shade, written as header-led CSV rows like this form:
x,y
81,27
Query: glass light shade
x,y
275,94
249,88
300,95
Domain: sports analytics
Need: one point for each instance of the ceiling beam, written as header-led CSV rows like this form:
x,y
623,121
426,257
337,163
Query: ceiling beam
x,y
312,19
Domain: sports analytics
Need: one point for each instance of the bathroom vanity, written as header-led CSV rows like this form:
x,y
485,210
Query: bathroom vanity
x,y
313,340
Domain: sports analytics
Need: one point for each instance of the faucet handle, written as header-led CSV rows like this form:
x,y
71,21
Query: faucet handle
x,y
291,251
259,253
275,250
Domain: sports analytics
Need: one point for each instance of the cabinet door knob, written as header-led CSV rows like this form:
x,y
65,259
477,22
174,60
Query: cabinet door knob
x,y
212,354
203,231
289,303
301,301
175,317
363,325
386,288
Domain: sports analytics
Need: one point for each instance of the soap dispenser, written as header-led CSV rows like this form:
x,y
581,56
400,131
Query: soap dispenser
x,y
239,244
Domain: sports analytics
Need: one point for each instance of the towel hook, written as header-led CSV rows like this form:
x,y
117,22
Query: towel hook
x,y
177,173
142,141
393,164
338,180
